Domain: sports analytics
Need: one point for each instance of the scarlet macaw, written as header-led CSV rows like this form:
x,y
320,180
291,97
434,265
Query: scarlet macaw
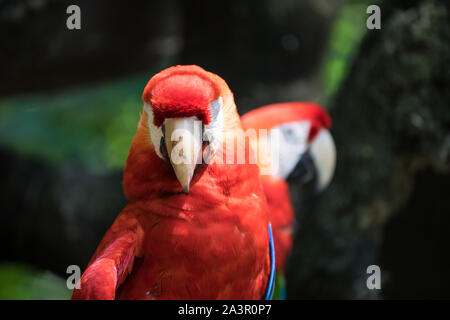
x,y
306,153
190,231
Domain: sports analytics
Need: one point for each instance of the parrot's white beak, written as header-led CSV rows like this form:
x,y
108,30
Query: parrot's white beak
x,y
323,151
183,138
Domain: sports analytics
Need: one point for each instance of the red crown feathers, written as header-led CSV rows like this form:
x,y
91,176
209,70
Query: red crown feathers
x,y
181,91
273,115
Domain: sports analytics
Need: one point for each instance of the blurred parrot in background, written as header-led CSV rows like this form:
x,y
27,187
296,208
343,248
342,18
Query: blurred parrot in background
x,y
191,230
306,155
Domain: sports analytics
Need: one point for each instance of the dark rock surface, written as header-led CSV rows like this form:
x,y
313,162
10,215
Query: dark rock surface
x,y
391,122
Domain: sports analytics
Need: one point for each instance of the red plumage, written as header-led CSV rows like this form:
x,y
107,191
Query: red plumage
x,y
181,92
281,216
270,116
281,213
209,244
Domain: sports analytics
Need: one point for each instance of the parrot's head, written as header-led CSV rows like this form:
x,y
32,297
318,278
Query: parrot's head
x,y
187,109
305,147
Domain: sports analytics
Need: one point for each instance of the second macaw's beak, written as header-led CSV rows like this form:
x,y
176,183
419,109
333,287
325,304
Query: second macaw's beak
x,y
183,138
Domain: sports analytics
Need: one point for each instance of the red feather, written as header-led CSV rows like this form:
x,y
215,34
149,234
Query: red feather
x,y
181,91
281,216
281,213
270,116
209,244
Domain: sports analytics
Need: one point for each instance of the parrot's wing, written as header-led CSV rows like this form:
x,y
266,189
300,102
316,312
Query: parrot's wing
x,y
112,261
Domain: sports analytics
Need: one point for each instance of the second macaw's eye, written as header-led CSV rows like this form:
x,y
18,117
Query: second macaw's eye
x,y
292,141
290,135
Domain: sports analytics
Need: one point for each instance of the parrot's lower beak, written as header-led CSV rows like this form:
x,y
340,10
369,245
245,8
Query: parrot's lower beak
x,y
317,163
183,138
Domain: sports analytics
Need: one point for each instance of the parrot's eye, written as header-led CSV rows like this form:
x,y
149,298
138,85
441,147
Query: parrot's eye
x,y
292,142
294,133
289,135
212,133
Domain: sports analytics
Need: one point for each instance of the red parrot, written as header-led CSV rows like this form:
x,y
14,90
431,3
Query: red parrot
x,y
192,229
306,152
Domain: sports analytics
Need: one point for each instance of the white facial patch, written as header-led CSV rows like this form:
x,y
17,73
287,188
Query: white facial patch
x,y
292,142
213,131
155,132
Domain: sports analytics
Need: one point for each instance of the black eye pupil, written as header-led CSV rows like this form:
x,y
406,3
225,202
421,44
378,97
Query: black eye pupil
x,y
289,134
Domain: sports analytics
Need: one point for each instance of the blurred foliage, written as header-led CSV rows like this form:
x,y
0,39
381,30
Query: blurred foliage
x,y
19,281
346,34
91,125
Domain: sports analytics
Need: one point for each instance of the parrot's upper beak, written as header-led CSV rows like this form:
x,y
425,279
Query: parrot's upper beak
x,y
183,138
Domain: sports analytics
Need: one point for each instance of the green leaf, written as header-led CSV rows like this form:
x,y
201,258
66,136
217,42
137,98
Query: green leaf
x,y
18,281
